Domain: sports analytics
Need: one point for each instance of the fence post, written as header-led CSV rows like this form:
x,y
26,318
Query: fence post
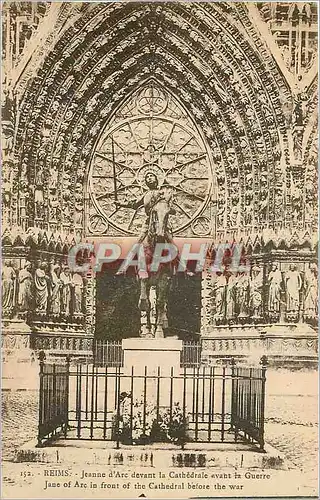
x,y
41,357
223,397
183,441
118,406
145,379
233,363
264,364
66,408
94,352
54,397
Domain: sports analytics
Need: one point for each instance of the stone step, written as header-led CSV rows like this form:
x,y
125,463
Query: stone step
x,y
65,451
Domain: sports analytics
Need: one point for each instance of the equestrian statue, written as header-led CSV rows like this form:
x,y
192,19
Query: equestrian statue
x,y
154,286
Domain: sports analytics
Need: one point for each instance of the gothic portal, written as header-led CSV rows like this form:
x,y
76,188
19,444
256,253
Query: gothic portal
x,y
219,100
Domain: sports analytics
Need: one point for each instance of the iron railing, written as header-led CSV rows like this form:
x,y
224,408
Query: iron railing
x,y
107,353
248,402
222,404
110,353
208,404
190,354
53,399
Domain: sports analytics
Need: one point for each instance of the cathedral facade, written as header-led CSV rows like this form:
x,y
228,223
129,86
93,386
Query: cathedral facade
x,y
219,101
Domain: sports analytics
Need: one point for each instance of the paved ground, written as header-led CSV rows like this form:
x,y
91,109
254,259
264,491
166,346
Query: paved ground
x,y
291,422
19,420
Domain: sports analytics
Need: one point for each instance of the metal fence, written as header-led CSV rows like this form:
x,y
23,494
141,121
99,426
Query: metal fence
x,y
107,353
190,354
110,353
207,404
53,399
248,402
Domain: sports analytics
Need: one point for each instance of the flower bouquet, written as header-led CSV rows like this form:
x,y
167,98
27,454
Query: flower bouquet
x,y
140,423
173,426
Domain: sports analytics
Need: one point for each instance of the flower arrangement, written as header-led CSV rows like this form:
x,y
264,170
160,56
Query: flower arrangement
x,y
140,423
173,424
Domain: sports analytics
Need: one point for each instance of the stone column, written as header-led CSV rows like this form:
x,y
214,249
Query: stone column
x,y
207,302
19,366
90,302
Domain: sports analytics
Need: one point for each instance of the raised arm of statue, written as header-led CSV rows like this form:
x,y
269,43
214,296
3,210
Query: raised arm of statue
x,y
131,204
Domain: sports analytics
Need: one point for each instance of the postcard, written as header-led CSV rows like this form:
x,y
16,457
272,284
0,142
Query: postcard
x,y
159,249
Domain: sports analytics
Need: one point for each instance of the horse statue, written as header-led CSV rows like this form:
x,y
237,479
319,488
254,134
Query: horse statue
x,y
154,287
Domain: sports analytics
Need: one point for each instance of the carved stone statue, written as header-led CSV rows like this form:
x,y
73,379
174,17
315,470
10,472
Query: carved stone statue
x,y
274,294
55,286
293,284
7,105
242,295
25,288
38,194
53,204
65,278
296,203
220,295
256,284
298,115
41,288
311,293
234,211
231,297
8,286
77,285
78,204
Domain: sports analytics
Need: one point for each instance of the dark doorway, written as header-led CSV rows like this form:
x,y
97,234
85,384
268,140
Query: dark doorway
x,y
184,306
118,316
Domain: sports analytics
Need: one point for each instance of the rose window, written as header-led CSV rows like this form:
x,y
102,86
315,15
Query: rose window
x,y
150,132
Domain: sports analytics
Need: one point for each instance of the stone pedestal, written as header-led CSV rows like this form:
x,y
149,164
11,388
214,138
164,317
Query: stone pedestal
x,y
151,357
20,368
15,335
152,353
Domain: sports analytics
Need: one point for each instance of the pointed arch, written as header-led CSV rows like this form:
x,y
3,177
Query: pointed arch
x,y
196,51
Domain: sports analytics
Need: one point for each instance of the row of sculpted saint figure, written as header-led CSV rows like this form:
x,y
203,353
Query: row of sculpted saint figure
x,y
8,286
289,295
238,296
293,293
58,292
311,293
48,290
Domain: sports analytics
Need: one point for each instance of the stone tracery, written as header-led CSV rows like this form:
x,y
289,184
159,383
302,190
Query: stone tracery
x,y
150,132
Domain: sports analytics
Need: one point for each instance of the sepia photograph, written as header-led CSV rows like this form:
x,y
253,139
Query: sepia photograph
x,y
159,249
